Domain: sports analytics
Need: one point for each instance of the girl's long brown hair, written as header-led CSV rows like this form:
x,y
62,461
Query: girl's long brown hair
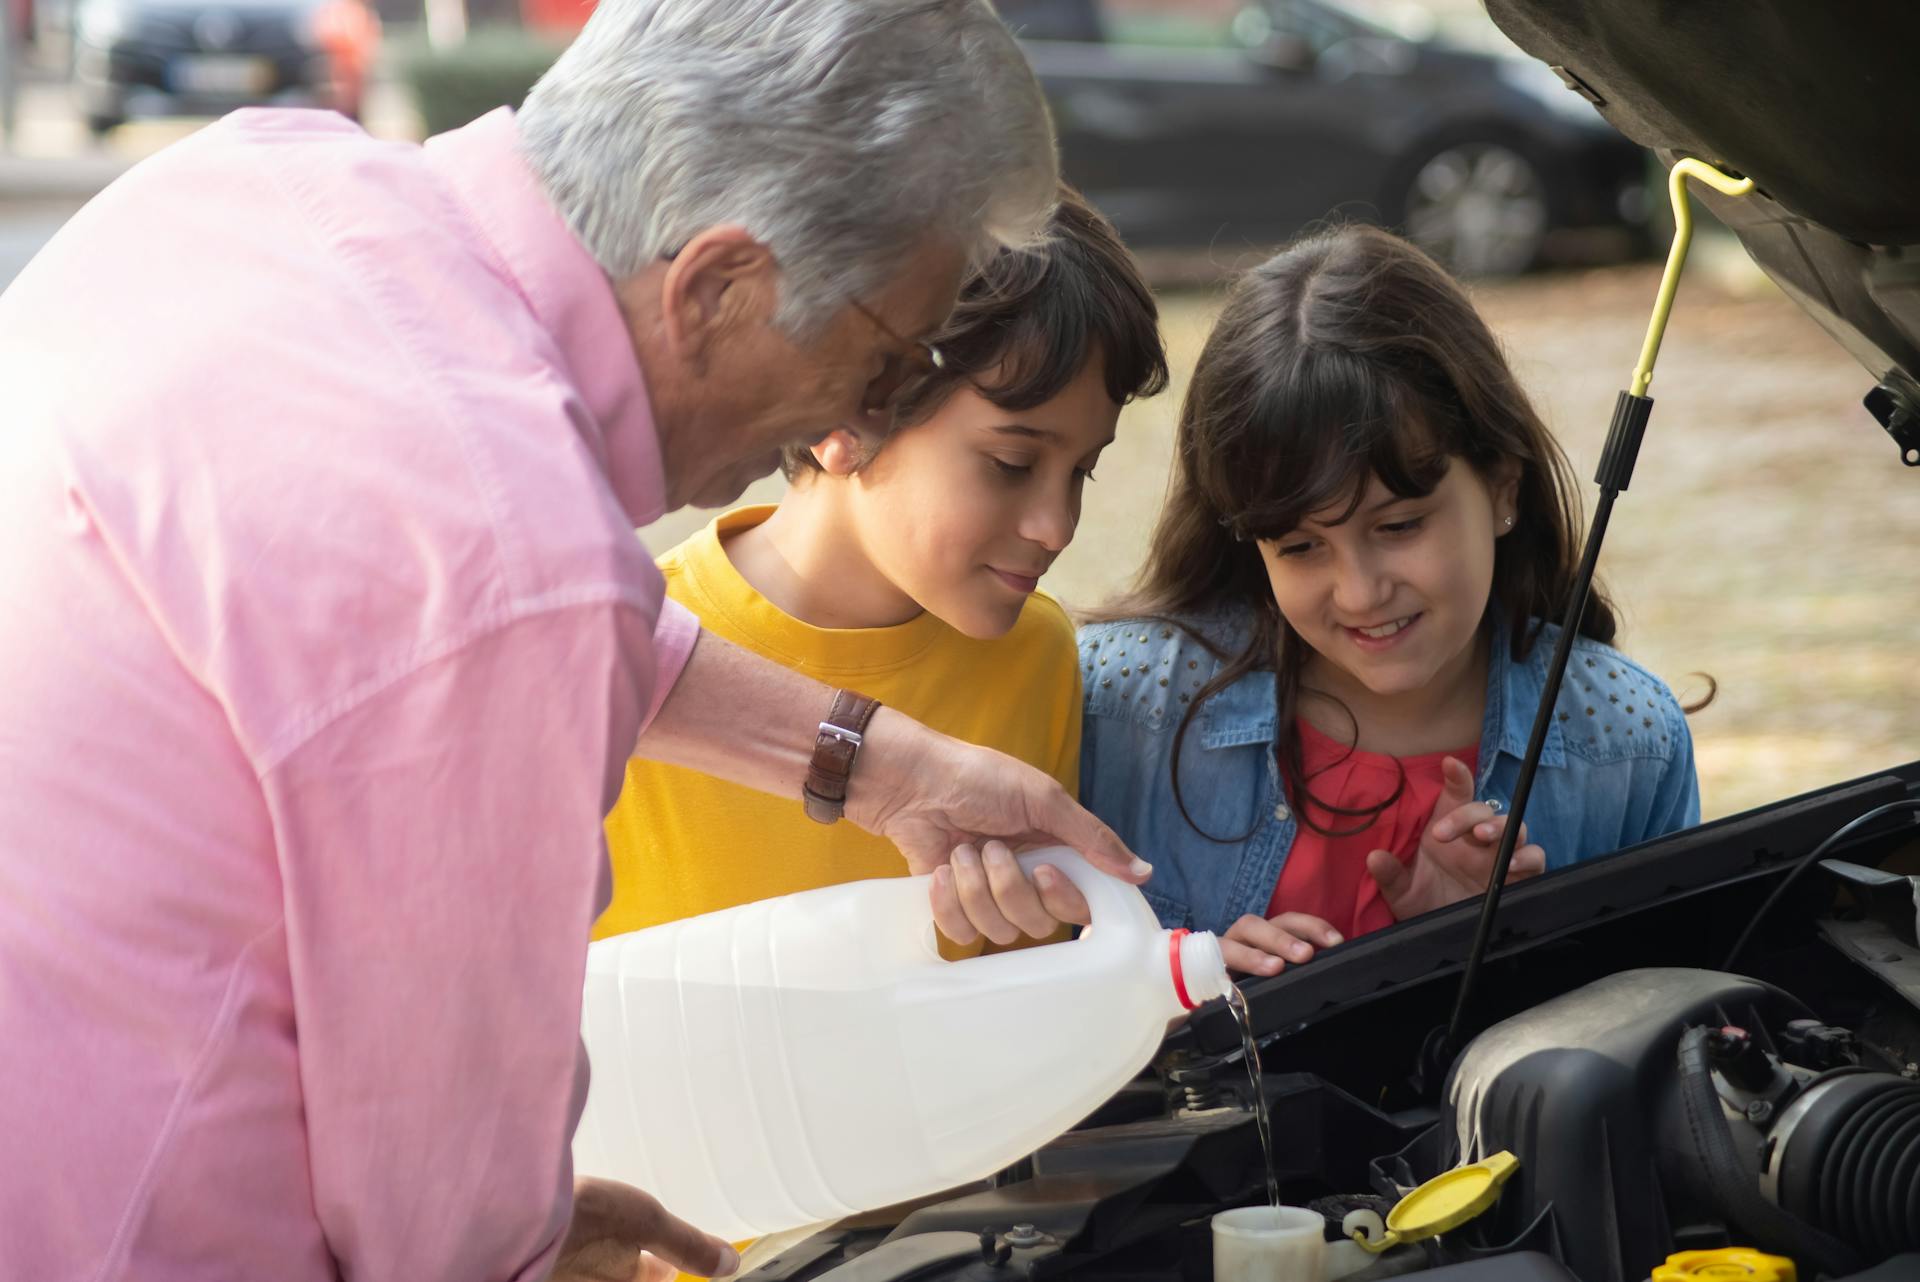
x,y
1349,354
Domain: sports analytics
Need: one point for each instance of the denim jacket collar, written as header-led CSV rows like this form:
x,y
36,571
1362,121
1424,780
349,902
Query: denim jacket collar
x,y
1244,712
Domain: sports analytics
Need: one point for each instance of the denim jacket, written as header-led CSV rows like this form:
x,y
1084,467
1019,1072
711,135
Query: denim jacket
x,y
1617,769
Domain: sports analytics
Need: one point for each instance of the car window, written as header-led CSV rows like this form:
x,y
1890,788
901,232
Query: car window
x,y
1320,28
1180,24
1077,20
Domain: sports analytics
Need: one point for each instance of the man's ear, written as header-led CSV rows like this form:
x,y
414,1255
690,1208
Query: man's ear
x,y
840,453
719,281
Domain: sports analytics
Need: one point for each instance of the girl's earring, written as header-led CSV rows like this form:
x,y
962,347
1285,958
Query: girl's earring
x,y
1509,522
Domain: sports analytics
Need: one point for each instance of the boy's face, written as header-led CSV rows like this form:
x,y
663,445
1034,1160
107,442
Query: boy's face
x,y
964,511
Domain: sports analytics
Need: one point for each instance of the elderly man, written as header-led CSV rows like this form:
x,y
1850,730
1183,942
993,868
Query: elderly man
x,y
326,633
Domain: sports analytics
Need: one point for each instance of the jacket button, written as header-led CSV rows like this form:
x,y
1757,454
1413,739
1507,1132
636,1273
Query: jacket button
x,y
1282,813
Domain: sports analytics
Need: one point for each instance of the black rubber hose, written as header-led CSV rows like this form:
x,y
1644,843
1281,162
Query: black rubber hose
x,y
1732,1186
1867,1175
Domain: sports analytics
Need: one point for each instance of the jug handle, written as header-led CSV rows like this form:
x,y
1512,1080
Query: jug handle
x,y
1109,899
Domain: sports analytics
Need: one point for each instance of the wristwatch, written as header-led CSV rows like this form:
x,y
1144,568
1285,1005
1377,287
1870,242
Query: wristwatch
x,y
825,791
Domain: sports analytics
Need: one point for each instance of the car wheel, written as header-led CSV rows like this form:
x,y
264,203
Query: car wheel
x,y
1478,207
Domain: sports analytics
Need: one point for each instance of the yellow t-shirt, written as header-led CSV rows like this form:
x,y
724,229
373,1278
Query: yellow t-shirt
x,y
684,843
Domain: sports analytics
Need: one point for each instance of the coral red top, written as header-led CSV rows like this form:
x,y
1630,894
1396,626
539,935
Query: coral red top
x,y
1327,876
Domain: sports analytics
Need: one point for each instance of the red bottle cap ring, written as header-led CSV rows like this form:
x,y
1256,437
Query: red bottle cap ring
x,y
1179,975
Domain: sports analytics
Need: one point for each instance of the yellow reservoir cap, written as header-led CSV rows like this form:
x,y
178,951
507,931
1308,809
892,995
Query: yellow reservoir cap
x,y
1443,1203
1447,1201
1728,1264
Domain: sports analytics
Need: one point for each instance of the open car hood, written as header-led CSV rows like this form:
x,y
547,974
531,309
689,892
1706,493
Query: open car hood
x,y
1815,104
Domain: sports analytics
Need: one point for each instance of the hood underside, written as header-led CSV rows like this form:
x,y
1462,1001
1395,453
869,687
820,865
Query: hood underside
x,y
1816,104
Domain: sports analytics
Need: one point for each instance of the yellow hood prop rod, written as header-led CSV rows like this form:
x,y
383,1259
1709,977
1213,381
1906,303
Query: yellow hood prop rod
x,y
1630,415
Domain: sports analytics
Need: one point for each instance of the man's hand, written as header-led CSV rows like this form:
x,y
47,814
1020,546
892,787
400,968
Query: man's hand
x,y
1257,945
930,795
620,1234
984,892
1456,854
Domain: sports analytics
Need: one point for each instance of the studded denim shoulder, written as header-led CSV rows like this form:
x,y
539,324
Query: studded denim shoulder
x,y
1609,707
1146,671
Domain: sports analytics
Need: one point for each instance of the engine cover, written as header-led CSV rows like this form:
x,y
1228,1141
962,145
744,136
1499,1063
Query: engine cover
x,y
1582,1090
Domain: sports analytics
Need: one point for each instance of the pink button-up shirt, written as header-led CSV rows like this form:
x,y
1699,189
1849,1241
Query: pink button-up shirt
x,y
324,634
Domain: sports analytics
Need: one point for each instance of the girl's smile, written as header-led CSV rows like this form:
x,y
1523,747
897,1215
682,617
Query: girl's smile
x,y
1378,638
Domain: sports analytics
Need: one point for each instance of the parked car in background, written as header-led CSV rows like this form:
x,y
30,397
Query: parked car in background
x,y
196,57
1219,124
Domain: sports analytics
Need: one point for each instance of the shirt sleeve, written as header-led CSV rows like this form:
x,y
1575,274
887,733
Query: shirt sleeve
x,y
442,858
1676,797
674,637
1067,767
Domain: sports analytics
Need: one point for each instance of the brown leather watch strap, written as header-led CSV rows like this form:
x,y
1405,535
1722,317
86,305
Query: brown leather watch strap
x,y
825,791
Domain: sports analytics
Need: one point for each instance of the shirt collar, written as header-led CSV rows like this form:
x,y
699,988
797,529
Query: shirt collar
x,y
1243,713
1513,695
568,294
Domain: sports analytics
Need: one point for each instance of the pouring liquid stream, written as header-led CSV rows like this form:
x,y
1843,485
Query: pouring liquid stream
x,y
1237,1004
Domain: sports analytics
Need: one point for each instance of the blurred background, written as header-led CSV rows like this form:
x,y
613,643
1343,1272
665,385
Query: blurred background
x,y
1768,540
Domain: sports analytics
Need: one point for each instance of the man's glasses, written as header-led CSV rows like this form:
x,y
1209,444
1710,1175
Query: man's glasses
x,y
912,361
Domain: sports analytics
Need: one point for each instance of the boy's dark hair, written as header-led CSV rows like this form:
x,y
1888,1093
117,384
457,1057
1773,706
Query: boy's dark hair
x,y
1028,321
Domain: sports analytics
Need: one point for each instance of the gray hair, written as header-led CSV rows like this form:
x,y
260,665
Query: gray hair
x,y
841,134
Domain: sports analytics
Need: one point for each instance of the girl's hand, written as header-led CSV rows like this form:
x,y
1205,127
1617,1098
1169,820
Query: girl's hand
x,y
983,892
1456,854
1257,945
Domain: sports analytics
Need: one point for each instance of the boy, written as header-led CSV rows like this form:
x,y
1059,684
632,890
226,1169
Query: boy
x,y
908,572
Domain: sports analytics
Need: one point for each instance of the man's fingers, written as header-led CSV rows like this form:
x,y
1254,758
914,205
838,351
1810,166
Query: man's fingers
x,y
976,897
655,1269
615,1222
1017,898
948,915
1060,897
1060,818
687,1250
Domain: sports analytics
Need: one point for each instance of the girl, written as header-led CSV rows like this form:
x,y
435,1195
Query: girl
x,y
1311,709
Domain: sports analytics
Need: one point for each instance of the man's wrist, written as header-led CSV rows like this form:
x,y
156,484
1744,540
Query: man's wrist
x,y
886,758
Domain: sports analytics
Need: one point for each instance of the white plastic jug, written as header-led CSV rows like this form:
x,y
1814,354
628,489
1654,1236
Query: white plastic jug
x,y
811,1057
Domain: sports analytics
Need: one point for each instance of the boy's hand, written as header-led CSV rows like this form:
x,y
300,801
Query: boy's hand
x,y
984,892
1257,945
1456,852
619,1234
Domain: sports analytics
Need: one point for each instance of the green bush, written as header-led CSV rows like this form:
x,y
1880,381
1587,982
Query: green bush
x,y
493,67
